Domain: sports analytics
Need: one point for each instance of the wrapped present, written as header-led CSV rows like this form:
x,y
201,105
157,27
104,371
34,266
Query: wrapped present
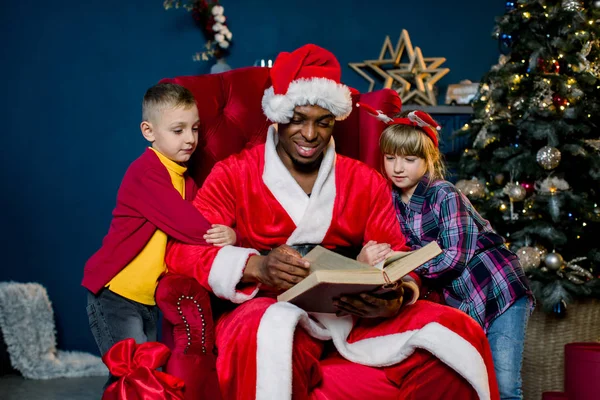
x,y
582,370
135,367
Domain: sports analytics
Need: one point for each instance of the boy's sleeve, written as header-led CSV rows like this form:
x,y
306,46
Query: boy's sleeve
x,y
152,194
457,238
218,269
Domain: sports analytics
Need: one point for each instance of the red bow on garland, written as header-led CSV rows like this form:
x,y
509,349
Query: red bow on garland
x,y
135,366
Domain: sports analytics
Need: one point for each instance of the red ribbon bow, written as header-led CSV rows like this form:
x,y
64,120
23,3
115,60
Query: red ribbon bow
x,y
135,366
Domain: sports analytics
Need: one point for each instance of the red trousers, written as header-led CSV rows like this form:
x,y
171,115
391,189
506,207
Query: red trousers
x,y
323,375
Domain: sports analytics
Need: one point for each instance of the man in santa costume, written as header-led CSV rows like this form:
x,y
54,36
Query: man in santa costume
x,y
292,193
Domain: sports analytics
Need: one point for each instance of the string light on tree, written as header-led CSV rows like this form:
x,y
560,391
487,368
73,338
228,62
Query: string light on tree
x,y
541,106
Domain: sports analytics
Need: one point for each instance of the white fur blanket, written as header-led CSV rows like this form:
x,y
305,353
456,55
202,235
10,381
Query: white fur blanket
x,y
27,322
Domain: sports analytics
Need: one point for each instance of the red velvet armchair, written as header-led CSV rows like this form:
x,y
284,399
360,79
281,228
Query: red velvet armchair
x,y
229,106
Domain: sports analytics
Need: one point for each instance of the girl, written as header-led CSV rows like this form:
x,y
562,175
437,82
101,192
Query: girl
x,y
476,272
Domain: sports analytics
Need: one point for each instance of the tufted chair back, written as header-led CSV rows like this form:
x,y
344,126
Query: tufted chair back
x,y
229,105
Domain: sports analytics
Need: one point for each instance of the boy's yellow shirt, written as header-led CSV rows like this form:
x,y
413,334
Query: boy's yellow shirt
x,y
138,280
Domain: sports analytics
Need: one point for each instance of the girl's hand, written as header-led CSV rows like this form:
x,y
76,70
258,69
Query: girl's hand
x,y
220,235
374,253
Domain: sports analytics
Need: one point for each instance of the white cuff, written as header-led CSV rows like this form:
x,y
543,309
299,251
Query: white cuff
x,y
227,271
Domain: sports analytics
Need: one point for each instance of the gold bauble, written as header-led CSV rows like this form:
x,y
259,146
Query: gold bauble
x,y
529,257
548,157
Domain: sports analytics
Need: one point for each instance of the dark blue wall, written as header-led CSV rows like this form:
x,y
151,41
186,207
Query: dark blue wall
x,y
74,74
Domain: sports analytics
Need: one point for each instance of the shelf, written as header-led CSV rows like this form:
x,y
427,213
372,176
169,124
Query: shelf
x,y
467,110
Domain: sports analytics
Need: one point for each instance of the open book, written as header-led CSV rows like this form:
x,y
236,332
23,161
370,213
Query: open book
x,y
333,275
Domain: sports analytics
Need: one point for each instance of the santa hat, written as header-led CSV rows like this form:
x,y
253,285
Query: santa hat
x,y
308,75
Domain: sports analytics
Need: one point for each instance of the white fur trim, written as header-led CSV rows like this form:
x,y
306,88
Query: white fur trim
x,y
275,341
226,272
323,92
274,349
312,215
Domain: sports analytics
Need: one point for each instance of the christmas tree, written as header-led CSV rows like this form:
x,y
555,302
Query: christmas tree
x,y
533,169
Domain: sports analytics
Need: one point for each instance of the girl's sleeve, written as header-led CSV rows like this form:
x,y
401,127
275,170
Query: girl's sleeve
x,y
457,238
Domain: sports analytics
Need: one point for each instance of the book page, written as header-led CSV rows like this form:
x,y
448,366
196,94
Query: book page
x,y
396,256
412,260
322,259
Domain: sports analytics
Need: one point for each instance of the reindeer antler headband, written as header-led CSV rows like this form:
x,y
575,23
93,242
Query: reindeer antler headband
x,y
414,118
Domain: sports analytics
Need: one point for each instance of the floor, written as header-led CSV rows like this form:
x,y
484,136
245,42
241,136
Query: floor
x,y
14,387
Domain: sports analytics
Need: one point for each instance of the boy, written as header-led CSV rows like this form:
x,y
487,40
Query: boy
x,y
122,276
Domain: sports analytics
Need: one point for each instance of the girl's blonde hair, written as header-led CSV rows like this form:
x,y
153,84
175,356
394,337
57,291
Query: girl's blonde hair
x,y
406,140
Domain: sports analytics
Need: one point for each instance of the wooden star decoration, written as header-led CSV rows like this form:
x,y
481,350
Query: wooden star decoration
x,y
388,56
424,72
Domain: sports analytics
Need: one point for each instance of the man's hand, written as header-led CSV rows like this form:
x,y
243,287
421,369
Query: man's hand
x,y
220,235
281,269
373,253
369,305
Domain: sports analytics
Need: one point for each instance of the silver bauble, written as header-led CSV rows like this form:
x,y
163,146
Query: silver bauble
x,y
529,257
553,261
515,192
572,5
548,157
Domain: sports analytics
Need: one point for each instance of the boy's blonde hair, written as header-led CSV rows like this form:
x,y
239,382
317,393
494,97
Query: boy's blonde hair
x,y
406,140
165,95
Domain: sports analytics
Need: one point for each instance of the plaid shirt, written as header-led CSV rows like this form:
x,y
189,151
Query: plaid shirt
x,y
476,272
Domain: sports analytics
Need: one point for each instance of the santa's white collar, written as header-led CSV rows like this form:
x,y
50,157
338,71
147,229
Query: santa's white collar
x,y
312,215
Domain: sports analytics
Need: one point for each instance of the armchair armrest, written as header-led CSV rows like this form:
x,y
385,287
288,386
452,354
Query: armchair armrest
x,y
187,311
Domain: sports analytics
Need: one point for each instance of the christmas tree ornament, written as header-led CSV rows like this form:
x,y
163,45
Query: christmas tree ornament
x,y
576,273
519,103
543,97
572,5
552,185
529,258
499,179
510,6
472,188
596,3
559,101
548,157
541,250
593,143
529,187
553,261
483,138
542,65
554,205
515,192
560,309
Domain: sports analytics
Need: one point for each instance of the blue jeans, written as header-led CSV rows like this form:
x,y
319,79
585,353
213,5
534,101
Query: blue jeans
x,y
506,335
114,318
